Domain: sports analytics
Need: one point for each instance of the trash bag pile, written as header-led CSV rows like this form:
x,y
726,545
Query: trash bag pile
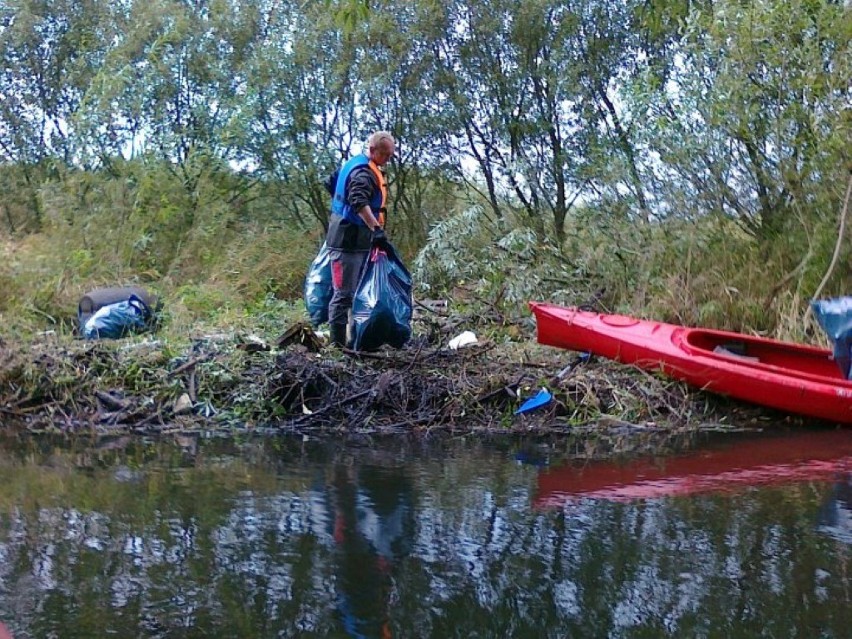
x,y
382,305
835,318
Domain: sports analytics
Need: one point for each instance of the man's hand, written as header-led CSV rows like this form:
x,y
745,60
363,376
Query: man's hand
x,y
380,240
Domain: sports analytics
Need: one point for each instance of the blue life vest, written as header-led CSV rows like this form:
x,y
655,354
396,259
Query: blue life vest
x,y
339,205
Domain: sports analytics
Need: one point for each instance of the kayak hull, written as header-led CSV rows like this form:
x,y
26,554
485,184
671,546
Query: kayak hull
x,y
790,377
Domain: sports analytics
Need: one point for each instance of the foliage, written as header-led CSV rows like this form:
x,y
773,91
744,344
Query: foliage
x,y
501,264
101,230
669,153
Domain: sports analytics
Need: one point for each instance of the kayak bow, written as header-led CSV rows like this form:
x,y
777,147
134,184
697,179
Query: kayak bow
x,y
791,377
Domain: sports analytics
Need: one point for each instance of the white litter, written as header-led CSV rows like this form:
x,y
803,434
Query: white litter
x,y
462,340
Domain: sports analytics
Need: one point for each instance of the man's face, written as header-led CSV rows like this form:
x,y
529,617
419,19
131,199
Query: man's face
x,y
382,153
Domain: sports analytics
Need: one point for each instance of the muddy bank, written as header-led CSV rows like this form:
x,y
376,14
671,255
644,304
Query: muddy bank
x,y
233,383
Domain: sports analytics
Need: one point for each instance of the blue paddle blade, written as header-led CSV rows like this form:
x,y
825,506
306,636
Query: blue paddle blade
x,y
532,403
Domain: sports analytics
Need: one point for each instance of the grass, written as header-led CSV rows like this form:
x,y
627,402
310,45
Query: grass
x,y
229,273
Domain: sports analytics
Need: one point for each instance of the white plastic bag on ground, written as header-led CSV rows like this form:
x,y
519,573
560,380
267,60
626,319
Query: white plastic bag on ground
x,y
464,339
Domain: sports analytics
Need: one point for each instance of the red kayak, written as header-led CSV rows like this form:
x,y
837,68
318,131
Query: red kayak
x,y
726,467
790,377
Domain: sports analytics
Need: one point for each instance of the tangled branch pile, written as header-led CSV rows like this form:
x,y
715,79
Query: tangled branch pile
x,y
224,383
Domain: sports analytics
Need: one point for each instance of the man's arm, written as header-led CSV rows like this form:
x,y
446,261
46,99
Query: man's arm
x,y
370,220
361,187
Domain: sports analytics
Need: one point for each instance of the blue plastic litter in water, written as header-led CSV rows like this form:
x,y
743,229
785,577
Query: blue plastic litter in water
x,y
532,403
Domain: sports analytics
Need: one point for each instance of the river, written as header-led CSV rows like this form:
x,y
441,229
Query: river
x,y
741,536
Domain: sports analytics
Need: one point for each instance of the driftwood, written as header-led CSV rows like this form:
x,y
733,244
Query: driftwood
x,y
300,333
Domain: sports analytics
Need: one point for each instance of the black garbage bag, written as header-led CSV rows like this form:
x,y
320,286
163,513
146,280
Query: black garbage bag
x,y
835,317
383,304
318,287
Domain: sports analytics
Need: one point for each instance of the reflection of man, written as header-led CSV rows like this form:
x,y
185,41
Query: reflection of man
x,y
373,528
835,515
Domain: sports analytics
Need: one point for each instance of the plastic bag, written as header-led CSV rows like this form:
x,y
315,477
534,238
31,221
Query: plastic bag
x,y
100,297
835,317
383,305
460,341
117,320
318,288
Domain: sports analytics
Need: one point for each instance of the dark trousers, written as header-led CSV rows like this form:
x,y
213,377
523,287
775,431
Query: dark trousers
x,y
345,272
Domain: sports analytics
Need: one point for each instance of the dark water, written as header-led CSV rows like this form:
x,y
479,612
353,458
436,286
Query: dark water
x,y
283,538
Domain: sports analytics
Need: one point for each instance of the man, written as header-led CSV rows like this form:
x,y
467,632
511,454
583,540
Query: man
x,y
357,222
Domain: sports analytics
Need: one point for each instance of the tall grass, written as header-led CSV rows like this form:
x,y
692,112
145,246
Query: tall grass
x,y
204,256
705,272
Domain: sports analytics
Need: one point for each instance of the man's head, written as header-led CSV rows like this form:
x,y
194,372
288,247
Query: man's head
x,y
381,147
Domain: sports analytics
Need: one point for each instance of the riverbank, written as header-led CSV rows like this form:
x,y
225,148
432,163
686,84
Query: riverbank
x,y
232,382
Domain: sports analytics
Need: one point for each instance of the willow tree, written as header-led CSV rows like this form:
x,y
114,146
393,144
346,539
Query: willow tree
x,y
534,93
188,77
754,122
297,119
49,53
395,90
157,116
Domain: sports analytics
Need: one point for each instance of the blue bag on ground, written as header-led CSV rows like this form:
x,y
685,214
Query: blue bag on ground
x,y
117,320
318,288
382,307
835,317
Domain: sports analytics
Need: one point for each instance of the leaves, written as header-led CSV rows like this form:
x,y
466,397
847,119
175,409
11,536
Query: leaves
x,y
536,111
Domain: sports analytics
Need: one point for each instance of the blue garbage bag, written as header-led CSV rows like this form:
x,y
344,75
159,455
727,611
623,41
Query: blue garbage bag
x,y
382,307
835,317
118,320
318,288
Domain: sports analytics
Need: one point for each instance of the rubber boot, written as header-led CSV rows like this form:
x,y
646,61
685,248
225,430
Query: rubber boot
x,y
337,335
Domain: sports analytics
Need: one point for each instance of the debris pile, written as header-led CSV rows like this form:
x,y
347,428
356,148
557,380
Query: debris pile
x,y
230,382
394,391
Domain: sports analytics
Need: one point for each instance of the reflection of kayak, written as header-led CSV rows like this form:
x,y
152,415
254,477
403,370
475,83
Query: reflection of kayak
x,y
791,377
805,456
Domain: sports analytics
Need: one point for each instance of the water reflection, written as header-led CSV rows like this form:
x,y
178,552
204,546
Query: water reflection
x,y
728,465
835,516
280,538
371,523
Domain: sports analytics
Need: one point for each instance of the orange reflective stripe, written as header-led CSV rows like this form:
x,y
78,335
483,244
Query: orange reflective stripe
x,y
383,186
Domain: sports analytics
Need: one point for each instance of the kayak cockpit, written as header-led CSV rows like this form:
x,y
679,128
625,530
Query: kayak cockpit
x,y
734,347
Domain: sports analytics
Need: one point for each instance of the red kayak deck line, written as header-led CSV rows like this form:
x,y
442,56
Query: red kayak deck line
x,y
736,466
782,375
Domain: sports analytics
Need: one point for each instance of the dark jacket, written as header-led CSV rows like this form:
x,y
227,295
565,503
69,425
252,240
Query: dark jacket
x,y
346,229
